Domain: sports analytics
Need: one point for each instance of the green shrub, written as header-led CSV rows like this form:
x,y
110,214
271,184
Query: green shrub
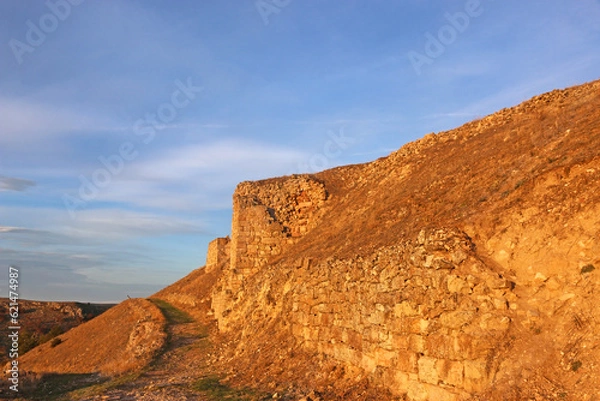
x,y
54,332
28,340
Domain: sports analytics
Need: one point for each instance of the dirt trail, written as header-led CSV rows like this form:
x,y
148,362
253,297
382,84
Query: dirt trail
x,y
182,372
172,374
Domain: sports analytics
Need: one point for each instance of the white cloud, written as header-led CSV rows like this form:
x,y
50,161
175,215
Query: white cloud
x,y
100,248
235,160
24,121
198,177
112,223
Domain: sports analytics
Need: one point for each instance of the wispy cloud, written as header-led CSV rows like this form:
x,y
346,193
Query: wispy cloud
x,y
93,226
239,157
100,248
198,177
24,121
15,184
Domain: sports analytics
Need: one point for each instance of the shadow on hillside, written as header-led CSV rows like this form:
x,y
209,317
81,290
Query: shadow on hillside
x,y
53,386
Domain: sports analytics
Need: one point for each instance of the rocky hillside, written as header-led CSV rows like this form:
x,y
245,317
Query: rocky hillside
x,y
462,266
124,338
42,321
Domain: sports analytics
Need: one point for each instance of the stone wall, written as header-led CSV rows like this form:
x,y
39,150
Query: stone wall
x,y
270,215
429,316
218,252
424,319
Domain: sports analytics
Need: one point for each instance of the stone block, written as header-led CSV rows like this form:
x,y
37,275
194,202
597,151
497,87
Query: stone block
x,y
298,330
450,372
337,333
441,394
325,319
500,303
457,285
427,370
405,309
399,341
418,325
442,263
374,334
417,391
400,385
466,346
376,317
384,357
406,361
399,325
368,363
475,375
324,333
416,343
440,346
496,282
355,340
456,319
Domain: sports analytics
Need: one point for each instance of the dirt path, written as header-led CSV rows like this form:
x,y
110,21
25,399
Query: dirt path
x,y
181,373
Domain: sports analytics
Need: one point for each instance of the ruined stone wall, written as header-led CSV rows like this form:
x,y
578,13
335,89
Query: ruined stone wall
x,y
218,252
431,316
270,215
423,318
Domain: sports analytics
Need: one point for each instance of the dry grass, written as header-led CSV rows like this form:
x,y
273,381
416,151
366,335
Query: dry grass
x,y
123,339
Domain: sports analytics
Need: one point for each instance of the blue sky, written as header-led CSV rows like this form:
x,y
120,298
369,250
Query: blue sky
x,y
126,125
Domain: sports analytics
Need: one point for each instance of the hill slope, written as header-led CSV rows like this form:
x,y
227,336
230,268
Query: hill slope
x,y
462,265
40,321
124,338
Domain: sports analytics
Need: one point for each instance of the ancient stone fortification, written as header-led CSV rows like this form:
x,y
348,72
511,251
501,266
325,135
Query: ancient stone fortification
x,y
217,253
464,265
268,217
424,318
